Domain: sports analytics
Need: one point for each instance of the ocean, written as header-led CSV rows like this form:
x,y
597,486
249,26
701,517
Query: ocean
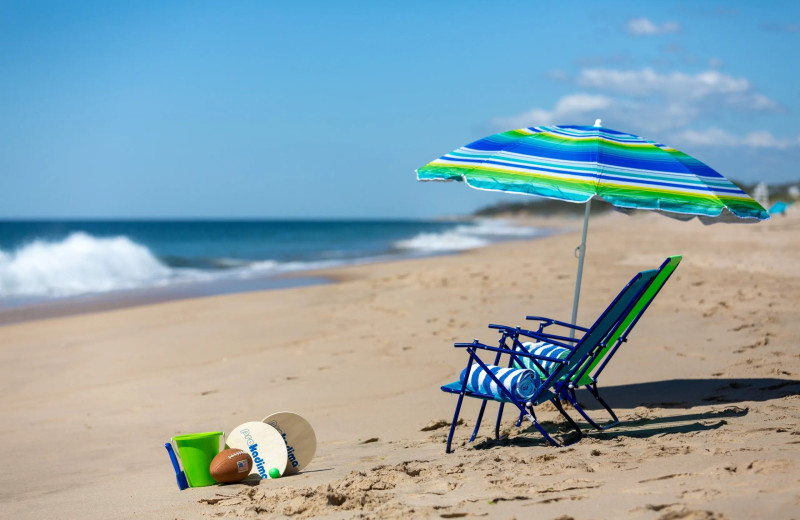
x,y
49,260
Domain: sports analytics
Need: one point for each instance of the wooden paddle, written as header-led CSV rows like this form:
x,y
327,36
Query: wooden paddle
x,y
263,443
299,436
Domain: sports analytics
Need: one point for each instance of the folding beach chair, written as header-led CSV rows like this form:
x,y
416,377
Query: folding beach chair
x,y
493,383
582,375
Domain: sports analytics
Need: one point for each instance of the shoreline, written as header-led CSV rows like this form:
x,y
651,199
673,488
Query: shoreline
x,y
40,309
124,299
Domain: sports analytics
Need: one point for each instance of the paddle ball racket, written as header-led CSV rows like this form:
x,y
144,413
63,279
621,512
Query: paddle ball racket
x,y
299,438
264,444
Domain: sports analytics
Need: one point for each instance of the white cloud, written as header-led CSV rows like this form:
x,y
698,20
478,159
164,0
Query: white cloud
x,y
639,117
574,108
580,104
710,137
761,102
717,137
584,108
710,84
650,103
558,75
644,27
764,139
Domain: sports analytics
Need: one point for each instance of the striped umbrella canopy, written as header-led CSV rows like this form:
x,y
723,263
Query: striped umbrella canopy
x,y
578,163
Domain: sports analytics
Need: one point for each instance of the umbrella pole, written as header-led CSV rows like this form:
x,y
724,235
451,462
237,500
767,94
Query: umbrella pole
x,y
582,254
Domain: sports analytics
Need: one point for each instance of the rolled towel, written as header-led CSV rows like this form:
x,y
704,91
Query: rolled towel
x,y
520,382
542,348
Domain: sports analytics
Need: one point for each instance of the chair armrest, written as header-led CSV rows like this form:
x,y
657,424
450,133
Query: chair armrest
x,y
509,329
552,339
546,322
515,332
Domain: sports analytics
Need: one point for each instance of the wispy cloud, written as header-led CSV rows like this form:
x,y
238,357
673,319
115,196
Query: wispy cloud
x,y
651,102
716,137
557,75
733,91
644,27
576,108
584,108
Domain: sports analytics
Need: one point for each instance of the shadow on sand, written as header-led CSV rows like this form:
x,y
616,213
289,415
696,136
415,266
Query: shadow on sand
x,y
674,394
688,393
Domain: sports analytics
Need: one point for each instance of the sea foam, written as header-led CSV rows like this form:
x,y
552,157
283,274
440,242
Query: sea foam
x,y
469,236
80,263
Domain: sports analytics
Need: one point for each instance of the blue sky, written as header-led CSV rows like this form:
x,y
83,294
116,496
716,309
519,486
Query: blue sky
x,y
324,109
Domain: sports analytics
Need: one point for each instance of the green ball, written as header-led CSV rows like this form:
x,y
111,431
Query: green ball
x,y
274,473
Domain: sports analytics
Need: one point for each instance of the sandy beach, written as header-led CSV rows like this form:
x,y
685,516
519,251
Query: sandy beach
x,y
707,388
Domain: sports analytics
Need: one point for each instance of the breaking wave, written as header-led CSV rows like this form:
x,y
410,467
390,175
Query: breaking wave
x,y
80,263
468,236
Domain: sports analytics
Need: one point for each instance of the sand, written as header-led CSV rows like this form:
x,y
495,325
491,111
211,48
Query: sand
x,y
707,388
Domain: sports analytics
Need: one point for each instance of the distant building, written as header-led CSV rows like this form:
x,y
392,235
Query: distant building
x,y
761,194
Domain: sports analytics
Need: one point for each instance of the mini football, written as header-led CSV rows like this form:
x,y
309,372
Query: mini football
x,y
231,465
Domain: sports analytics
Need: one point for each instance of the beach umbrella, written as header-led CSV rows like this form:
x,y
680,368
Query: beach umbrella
x,y
779,207
579,163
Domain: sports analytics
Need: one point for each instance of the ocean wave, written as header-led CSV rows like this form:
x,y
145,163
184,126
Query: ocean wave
x,y
440,242
78,264
83,263
468,236
499,228
272,268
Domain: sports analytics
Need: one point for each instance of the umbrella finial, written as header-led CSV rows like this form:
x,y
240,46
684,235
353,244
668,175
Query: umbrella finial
x,y
598,122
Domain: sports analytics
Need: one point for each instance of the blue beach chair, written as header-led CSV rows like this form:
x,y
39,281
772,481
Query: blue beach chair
x,y
486,382
582,376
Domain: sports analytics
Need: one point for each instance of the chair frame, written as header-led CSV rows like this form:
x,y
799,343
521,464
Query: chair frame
x,y
603,354
580,353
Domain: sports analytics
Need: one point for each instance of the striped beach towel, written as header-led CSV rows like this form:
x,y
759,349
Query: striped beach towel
x,y
520,382
542,348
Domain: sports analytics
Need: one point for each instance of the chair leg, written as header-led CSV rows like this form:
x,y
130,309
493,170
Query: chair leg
x,y
499,418
614,420
531,416
569,395
572,423
453,425
478,422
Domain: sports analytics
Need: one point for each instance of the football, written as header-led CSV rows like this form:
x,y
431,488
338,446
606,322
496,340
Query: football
x,y
231,465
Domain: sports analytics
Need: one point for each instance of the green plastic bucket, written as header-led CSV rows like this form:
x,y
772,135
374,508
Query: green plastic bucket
x,y
196,451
